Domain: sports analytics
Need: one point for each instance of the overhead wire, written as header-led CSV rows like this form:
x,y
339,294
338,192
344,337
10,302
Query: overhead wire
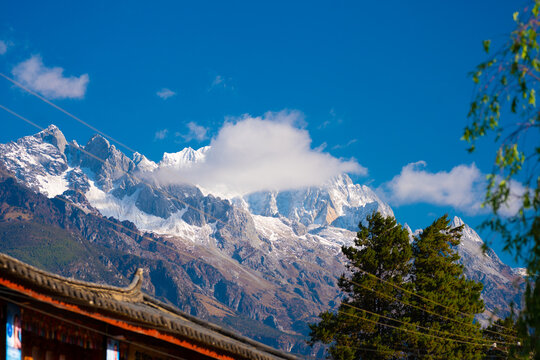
x,y
415,325
425,310
421,297
412,331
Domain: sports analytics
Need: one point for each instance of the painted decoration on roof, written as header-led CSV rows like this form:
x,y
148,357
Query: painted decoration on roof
x,y
113,350
13,333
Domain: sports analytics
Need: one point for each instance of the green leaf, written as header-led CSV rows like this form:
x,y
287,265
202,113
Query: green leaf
x,y
486,44
532,98
536,64
524,52
515,16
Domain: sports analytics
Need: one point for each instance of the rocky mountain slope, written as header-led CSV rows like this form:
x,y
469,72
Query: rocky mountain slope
x,y
266,263
502,284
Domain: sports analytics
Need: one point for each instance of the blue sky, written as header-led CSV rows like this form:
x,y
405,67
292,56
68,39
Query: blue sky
x,y
384,83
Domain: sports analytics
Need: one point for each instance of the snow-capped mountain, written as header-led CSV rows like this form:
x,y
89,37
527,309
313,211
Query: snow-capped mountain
x,y
272,256
183,158
338,203
39,161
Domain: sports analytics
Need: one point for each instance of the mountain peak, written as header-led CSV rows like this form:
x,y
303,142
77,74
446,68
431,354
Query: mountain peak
x,y
98,146
408,228
142,163
53,136
185,157
51,128
456,222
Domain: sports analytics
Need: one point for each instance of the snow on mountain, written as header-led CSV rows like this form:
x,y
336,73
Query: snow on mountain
x,y
143,164
39,161
339,203
183,158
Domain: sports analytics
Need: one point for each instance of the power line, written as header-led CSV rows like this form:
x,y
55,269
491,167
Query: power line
x,y
420,296
411,331
426,311
419,326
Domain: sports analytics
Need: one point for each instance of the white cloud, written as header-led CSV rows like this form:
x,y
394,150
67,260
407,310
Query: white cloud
x,y
196,132
292,117
462,188
165,93
515,199
50,82
3,47
161,134
218,80
261,153
347,144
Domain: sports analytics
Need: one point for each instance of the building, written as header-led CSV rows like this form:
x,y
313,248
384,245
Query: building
x,y
50,317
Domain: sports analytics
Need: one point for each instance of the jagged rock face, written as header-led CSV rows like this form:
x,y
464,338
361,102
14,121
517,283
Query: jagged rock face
x,y
502,285
339,203
270,257
114,166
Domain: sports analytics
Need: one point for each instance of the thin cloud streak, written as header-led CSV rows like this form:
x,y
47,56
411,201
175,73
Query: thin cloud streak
x,y
195,132
165,93
220,82
343,146
161,134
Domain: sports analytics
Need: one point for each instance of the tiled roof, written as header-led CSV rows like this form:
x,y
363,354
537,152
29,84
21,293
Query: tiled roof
x,y
132,305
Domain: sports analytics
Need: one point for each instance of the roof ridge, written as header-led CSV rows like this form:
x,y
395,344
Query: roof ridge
x,y
134,288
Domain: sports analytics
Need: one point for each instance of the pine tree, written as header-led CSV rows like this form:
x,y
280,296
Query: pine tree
x,y
382,248
438,276
502,334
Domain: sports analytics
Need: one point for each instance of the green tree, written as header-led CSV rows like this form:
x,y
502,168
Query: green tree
x,y
439,277
381,248
505,106
502,333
